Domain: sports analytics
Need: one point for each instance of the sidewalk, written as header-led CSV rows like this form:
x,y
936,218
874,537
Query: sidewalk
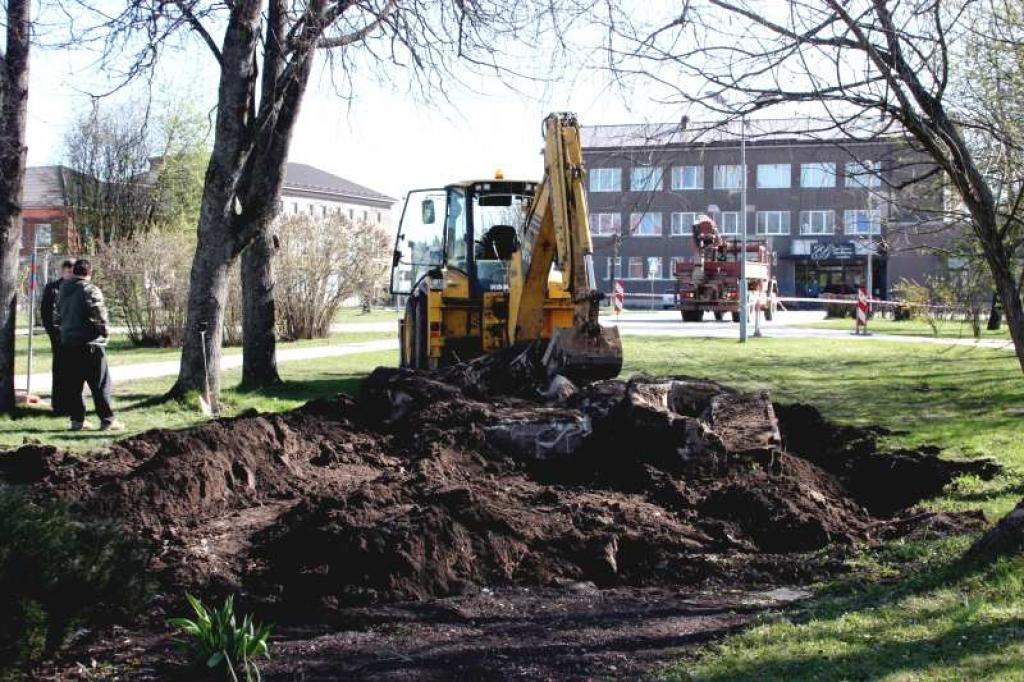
x,y
149,370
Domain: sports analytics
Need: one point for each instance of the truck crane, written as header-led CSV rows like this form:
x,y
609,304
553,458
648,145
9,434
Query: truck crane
x,y
490,264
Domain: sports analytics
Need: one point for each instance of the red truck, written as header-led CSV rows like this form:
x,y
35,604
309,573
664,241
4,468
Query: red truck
x,y
710,280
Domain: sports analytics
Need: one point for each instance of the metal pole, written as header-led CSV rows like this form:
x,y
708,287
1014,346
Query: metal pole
x,y
743,230
869,281
31,320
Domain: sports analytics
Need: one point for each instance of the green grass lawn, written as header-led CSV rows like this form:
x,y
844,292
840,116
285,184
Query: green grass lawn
x,y
304,380
375,315
907,611
949,329
910,611
120,350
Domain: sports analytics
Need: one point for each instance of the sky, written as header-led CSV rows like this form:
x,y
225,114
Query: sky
x,y
382,138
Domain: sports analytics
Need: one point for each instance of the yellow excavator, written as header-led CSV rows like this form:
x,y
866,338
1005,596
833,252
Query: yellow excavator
x,y
489,264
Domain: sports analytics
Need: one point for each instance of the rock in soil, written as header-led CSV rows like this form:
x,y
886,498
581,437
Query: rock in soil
x,y
428,485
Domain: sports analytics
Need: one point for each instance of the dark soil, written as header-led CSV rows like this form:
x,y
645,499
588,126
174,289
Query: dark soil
x,y
423,489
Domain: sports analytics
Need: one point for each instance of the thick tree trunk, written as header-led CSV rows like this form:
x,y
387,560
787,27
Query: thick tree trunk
x,y
204,329
13,111
259,359
998,257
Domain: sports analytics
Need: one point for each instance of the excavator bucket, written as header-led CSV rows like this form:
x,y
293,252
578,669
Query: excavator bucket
x,y
584,353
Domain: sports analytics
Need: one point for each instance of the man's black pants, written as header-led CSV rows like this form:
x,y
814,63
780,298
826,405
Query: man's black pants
x,y
86,365
58,377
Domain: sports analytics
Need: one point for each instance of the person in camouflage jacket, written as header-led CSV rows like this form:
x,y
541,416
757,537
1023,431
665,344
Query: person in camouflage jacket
x,y
83,322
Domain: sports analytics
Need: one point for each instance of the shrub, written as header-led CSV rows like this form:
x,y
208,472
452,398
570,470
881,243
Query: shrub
x,y
56,574
320,263
215,640
146,281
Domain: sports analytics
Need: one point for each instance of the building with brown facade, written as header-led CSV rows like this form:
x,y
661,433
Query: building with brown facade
x,y
819,199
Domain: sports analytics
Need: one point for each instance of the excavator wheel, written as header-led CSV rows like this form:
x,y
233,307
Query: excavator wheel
x,y
415,324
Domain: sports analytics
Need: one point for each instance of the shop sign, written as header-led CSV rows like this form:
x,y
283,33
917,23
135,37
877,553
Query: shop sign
x,y
832,251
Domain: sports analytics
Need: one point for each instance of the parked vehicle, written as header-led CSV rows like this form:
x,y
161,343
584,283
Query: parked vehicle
x,y
710,281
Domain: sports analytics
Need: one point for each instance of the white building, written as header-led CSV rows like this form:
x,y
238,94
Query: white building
x,y
316,192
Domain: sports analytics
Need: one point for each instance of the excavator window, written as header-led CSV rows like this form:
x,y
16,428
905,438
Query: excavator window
x,y
456,232
419,245
497,222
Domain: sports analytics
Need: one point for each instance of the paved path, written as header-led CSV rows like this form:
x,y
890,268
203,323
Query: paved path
x,y
149,370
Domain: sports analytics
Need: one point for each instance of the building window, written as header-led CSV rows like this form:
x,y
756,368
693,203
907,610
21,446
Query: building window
x,y
864,174
605,179
323,211
645,179
351,214
654,267
636,267
378,217
817,175
773,175
673,264
802,247
688,177
366,216
728,177
867,221
604,224
817,222
613,270
645,224
682,224
312,209
295,207
730,222
773,222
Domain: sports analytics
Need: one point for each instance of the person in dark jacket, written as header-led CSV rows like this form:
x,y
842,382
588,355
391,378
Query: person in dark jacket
x,y
82,317
48,313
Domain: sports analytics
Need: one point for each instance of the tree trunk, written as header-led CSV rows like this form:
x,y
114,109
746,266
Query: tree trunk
x,y
1006,285
204,328
259,361
995,317
13,111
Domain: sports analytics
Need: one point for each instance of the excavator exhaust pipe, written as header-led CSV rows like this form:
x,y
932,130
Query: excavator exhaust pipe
x,y
584,353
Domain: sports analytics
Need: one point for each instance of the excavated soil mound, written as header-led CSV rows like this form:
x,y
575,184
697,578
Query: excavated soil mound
x,y
423,487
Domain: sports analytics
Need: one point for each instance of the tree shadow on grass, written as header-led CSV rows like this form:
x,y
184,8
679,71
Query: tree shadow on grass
x,y
326,384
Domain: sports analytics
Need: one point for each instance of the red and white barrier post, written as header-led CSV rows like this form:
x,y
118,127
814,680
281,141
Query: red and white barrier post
x,y
862,311
618,297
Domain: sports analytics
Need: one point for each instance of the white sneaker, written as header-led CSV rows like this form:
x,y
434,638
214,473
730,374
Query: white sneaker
x,y
80,426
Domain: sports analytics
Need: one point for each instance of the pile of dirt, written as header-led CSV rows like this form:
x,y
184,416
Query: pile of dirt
x,y
427,486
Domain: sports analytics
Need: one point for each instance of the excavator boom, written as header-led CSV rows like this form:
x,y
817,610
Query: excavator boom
x,y
586,351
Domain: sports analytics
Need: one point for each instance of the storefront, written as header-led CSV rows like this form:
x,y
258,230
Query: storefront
x,y
834,268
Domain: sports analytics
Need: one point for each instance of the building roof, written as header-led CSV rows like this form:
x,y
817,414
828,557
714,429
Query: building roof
x,y
43,187
770,131
301,177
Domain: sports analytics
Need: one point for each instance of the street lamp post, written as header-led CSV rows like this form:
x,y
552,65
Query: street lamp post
x,y
743,229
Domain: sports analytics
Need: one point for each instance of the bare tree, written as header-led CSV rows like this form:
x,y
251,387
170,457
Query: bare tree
x,y
107,156
265,57
13,116
862,67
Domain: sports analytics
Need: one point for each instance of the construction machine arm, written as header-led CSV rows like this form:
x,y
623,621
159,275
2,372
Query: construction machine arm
x,y
586,351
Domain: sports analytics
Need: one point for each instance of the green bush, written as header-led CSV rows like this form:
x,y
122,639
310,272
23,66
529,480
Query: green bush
x,y
58,574
216,641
